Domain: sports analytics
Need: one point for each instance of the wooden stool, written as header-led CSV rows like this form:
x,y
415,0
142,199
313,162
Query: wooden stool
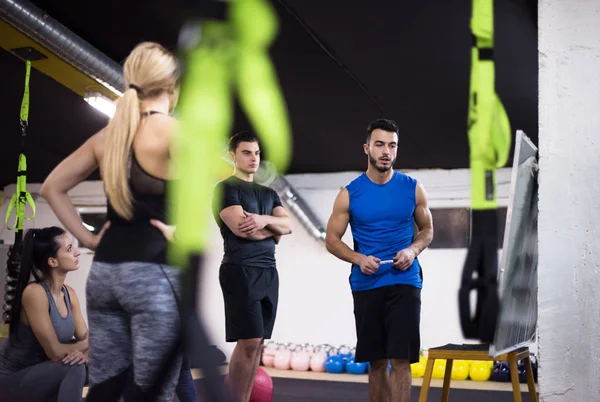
x,y
477,352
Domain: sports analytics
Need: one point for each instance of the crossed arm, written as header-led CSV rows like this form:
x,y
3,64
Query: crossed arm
x,y
36,307
257,227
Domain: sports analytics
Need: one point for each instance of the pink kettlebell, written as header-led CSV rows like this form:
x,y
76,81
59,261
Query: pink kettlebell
x,y
282,359
268,355
317,361
300,359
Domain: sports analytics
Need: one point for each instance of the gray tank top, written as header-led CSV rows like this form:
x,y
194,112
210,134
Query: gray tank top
x,y
26,350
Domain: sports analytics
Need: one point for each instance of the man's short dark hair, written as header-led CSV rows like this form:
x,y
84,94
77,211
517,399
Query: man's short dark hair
x,y
382,124
242,136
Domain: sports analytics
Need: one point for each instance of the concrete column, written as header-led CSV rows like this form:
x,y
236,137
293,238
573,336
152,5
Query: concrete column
x,y
569,200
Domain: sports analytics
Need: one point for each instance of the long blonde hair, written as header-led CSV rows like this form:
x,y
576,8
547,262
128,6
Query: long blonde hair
x,y
150,70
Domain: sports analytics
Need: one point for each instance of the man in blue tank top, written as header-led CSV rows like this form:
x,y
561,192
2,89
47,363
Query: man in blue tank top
x,y
391,225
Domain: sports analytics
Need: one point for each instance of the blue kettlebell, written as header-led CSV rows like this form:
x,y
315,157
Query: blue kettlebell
x,y
501,372
334,364
522,371
345,352
353,367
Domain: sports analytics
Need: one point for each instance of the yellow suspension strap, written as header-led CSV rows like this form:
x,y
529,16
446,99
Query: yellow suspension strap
x,y
17,202
489,142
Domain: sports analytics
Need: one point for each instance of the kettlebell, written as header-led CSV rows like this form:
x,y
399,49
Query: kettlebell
x,y
345,352
335,364
268,354
282,359
300,359
353,367
317,361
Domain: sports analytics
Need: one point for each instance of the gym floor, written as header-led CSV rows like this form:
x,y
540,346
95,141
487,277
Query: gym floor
x,y
296,386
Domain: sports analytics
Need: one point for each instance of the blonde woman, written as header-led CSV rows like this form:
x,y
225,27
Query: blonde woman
x,y
131,303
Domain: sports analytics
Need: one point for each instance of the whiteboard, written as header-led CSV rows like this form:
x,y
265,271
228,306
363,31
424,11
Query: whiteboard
x,y
517,318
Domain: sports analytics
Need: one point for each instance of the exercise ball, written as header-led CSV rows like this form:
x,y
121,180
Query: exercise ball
x,y
262,391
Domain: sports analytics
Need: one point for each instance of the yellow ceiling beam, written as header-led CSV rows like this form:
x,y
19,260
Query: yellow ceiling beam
x,y
53,66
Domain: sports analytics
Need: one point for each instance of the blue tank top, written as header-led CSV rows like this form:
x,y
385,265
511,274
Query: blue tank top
x,y
382,223
26,350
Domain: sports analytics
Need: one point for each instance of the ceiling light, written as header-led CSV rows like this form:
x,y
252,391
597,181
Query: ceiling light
x,y
101,102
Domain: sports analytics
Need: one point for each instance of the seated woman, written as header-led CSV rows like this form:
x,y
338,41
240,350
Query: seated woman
x,y
45,356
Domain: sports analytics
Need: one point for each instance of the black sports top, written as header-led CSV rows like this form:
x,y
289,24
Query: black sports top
x,y
137,240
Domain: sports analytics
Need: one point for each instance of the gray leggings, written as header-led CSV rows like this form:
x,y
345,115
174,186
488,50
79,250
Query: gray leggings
x,y
44,382
134,321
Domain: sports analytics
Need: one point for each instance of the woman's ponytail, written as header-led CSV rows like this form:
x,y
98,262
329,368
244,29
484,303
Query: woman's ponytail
x,y
39,245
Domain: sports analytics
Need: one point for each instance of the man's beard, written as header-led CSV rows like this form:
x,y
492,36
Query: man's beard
x,y
381,169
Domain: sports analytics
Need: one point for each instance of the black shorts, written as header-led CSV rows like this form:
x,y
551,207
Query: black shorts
x,y
250,295
387,323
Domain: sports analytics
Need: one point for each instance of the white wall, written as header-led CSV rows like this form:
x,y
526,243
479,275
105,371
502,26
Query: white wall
x,y
315,299
569,194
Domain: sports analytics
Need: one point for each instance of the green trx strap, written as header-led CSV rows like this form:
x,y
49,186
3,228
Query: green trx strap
x,y
21,195
17,202
232,56
489,142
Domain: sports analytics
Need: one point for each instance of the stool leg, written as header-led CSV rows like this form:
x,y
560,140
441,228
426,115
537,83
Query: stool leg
x,y
530,380
426,380
447,378
514,376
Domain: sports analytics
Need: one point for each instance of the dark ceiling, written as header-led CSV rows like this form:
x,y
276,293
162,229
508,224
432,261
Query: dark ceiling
x,y
405,60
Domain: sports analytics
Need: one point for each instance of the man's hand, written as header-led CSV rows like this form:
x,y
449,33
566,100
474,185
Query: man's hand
x,y
252,223
75,357
404,259
369,264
